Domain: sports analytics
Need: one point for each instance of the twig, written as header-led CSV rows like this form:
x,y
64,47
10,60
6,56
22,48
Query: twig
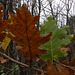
x,y
3,3
70,67
22,64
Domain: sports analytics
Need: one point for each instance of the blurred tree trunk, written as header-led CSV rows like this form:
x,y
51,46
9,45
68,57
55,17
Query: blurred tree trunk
x,y
72,31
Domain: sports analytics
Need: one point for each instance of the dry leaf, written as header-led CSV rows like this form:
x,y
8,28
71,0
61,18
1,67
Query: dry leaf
x,y
51,70
2,35
2,60
71,64
26,34
62,70
42,73
2,26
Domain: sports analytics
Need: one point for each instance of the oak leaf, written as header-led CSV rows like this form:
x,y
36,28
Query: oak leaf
x,y
56,41
26,34
2,34
71,64
59,70
2,26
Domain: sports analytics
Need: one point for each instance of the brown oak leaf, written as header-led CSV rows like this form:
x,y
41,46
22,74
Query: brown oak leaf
x,y
59,70
26,33
2,26
2,35
71,64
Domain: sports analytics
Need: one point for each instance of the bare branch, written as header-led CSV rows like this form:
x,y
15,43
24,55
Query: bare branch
x,y
22,64
70,67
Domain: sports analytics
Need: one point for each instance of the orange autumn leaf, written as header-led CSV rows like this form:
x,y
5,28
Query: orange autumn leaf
x,y
62,70
2,60
71,64
26,34
2,26
51,70
42,73
1,15
2,35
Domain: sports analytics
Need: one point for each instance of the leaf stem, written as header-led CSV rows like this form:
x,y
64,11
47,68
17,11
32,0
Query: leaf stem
x,y
51,51
29,47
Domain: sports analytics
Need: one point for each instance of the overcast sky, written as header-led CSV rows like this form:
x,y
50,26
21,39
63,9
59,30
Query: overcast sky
x,y
55,4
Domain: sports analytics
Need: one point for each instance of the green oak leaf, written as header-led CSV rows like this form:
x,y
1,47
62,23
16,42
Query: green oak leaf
x,y
58,40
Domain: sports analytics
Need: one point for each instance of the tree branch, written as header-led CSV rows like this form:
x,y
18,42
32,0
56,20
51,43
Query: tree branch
x,y
3,4
70,67
22,64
